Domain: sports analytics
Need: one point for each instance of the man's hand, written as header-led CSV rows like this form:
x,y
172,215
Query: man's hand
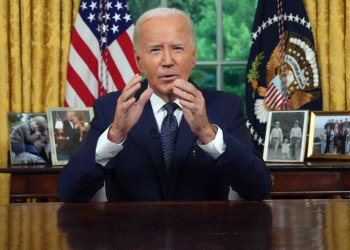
x,y
128,111
193,107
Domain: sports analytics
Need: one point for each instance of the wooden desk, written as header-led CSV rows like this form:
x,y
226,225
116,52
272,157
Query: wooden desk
x,y
290,179
33,181
311,178
275,224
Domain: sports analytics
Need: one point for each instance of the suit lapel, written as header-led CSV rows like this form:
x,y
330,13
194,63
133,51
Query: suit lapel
x,y
148,129
184,143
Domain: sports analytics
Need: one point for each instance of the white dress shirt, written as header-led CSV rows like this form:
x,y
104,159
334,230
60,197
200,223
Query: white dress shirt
x,y
106,149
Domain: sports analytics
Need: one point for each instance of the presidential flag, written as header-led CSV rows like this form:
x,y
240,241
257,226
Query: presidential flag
x,y
101,54
282,69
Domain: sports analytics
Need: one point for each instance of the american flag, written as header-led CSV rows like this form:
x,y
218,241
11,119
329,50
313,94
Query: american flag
x,y
101,53
274,97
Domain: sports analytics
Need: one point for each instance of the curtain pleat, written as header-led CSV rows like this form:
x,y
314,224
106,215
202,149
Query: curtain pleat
x,y
331,29
336,55
4,80
347,54
26,56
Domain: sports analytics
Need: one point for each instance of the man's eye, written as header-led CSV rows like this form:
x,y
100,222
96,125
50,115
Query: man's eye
x,y
155,50
177,48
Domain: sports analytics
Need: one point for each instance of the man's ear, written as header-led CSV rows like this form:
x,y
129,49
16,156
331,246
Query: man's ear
x,y
194,55
137,60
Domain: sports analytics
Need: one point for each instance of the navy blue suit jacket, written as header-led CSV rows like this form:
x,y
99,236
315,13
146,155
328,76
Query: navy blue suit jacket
x,y
137,172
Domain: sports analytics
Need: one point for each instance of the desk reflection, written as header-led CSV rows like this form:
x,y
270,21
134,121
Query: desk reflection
x,y
193,225
274,224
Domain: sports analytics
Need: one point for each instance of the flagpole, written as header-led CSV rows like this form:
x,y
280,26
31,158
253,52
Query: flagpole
x,y
285,103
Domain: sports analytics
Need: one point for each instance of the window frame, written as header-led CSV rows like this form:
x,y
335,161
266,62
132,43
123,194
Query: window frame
x,y
220,62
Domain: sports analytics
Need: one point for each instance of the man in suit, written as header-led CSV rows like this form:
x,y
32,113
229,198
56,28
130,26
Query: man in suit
x,y
68,132
295,139
343,135
125,143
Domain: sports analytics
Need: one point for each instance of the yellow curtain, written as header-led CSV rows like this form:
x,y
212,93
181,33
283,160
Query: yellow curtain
x,y
330,21
34,45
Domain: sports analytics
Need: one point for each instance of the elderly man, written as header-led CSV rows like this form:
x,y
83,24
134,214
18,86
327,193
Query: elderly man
x,y
276,138
295,138
165,138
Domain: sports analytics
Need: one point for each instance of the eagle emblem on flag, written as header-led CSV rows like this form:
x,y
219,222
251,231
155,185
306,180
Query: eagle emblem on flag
x,y
266,89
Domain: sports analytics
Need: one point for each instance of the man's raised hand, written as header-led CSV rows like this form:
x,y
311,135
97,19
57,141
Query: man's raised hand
x,y
128,111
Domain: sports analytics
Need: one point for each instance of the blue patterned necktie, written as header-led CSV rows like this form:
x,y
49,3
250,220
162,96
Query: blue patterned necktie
x,y
168,137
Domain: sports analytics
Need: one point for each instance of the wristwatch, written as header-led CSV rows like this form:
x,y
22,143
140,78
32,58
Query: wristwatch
x,y
215,128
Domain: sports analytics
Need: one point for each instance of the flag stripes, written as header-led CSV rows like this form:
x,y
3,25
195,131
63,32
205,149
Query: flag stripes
x,y
101,55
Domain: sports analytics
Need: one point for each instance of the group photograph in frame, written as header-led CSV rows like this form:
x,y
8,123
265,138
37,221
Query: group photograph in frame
x,y
29,138
329,135
285,139
68,128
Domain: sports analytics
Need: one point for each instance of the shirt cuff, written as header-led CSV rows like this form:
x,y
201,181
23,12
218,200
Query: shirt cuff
x,y
216,147
105,149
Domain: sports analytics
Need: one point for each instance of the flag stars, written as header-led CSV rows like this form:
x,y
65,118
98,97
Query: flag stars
x,y
255,35
127,17
106,16
303,21
263,25
83,5
285,16
290,18
260,141
247,124
296,18
104,39
255,136
91,17
115,29
275,18
126,6
109,5
116,17
104,27
252,130
93,5
308,25
269,21
119,5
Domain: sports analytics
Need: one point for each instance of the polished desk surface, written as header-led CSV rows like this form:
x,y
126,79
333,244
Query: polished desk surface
x,y
321,165
273,224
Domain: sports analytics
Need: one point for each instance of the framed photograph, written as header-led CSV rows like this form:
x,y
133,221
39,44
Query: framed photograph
x,y
29,138
329,135
68,128
285,139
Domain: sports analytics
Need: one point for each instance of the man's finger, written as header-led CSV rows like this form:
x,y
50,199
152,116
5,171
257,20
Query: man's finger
x,y
185,86
145,96
132,86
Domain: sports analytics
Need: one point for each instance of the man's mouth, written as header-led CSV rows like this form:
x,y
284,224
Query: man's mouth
x,y
169,77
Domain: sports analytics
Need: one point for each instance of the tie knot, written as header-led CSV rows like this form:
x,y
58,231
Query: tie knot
x,y
170,107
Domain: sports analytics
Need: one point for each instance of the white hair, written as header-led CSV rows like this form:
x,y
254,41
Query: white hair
x,y
41,122
161,12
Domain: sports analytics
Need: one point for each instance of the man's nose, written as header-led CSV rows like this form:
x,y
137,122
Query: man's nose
x,y
167,58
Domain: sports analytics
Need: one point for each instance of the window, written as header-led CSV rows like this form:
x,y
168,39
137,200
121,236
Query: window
x,y
223,35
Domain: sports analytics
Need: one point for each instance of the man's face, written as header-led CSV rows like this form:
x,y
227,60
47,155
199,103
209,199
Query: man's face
x,y
69,115
165,52
39,144
296,125
277,125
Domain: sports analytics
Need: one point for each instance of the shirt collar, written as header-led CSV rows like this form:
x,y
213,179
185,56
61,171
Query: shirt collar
x,y
157,103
